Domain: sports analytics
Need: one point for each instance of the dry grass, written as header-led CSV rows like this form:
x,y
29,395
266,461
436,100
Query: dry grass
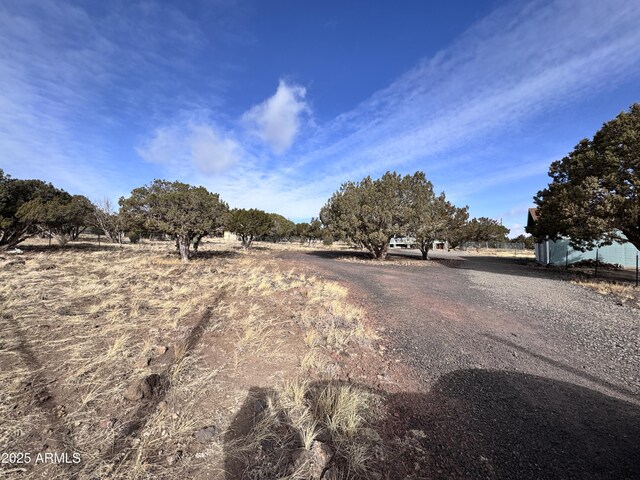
x,y
500,253
299,414
82,325
391,261
624,293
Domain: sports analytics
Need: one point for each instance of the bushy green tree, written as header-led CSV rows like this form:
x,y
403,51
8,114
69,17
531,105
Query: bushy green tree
x,y
527,241
21,201
281,228
371,212
176,209
368,213
429,217
458,230
485,229
309,232
301,231
594,193
64,216
314,231
249,224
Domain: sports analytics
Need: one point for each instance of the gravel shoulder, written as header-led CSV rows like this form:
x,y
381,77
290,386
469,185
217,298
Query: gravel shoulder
x,y
522,375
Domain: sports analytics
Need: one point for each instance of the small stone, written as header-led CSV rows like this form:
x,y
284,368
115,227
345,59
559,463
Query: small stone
x,y
371,435
175,458
150,386
331,474
160,350
143,362
205,435
315,460
106,423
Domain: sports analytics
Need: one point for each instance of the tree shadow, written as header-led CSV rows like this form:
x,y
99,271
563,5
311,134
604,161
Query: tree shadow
x,y
69,247
340,254
478,423
213,254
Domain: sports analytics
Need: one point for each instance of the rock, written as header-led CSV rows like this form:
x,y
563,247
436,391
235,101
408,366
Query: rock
x,y
314,461
175,458
163,359
106,423
371,435
143,362
205,435
160,350
149,387
331,474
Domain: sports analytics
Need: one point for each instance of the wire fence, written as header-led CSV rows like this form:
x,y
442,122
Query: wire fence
x,y
493,246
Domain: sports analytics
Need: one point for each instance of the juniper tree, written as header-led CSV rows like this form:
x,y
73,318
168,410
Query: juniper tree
x,y
367,213
594,193
249,224
429,217
21,208
182,211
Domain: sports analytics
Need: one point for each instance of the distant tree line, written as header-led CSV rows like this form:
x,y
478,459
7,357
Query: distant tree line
x,y
592,199
158,210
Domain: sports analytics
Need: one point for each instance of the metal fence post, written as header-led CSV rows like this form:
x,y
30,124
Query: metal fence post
x,y
595,274
636,270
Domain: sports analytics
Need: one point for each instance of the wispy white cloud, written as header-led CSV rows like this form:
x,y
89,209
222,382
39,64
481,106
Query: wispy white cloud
x,y
183,147
450,113
521,61
71,88
277,120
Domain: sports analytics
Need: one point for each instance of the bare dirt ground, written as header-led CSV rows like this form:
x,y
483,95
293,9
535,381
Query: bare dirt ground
x,y
521,374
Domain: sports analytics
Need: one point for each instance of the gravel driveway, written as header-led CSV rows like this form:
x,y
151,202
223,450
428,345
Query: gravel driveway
x,y
527,376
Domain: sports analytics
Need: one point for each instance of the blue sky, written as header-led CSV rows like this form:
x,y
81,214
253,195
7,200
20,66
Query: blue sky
x,y
273,104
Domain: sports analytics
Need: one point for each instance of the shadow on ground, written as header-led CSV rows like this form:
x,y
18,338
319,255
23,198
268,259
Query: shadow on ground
x,y
210,254
525,267
478,423
71,246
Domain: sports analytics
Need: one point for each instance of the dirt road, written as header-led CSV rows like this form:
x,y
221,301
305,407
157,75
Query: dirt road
x,y
524,376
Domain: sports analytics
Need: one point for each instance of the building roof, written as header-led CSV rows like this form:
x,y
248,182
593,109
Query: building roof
x,y
534,214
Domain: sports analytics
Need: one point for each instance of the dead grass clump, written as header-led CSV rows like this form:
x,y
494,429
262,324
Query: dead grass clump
x,y
307,429
330,319
624,293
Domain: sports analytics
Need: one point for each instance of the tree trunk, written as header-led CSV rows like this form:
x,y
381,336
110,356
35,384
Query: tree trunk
x,y
380,251
196,242
424,249
11,242
183,247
